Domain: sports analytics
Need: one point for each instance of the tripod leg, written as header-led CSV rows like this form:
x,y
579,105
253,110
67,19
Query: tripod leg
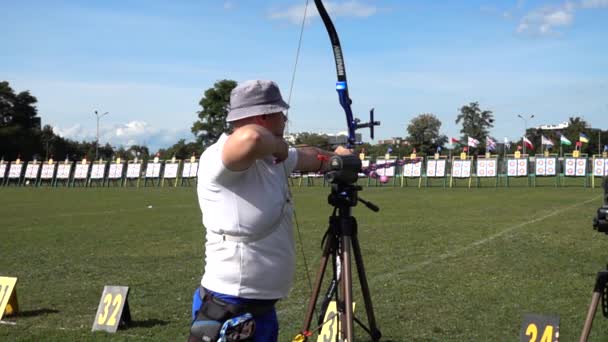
x,y
347,286
590,315
598,291
367,298
317,287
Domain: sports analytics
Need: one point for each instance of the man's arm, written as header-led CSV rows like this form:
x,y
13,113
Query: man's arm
x,y
251,142
309,161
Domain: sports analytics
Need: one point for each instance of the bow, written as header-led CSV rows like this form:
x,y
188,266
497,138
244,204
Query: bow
x,y
341,85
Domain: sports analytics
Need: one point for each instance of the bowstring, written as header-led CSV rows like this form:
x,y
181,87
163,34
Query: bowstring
x,y
295,217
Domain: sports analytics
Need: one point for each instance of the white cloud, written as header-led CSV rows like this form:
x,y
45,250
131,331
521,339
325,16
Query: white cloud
x,y
546,20
594,3
131,133
351,8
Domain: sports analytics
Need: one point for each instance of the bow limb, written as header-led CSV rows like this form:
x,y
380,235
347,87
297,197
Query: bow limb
x,y
341,84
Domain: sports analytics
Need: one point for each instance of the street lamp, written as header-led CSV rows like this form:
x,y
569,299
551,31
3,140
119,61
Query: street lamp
x,y
99,116
525,127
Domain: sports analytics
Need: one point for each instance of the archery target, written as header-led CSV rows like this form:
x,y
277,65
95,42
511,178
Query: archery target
x,y
466,168
575,167
153,170
517,167
430,168
133,170
81,171
457,168
435,168
115,171
545,166
48,171
2,170
440,168
31,171
486,167
63,171
385,171
600,167
522,167
171,170
15,171
412,169
189,169
461,169
570,167
581,167
98,171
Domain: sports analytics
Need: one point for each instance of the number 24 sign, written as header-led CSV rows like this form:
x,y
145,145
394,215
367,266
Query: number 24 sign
x,y
538,328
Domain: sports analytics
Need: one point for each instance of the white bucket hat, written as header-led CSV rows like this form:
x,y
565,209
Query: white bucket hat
x,y
256,97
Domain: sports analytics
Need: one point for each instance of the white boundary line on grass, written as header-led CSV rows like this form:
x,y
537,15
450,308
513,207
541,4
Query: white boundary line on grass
x,y
444,256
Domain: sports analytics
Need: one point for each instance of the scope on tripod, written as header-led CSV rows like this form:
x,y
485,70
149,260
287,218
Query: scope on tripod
x,y
600,221
343,169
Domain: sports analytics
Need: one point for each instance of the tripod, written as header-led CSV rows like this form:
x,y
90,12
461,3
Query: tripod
x,y
599,293
340,239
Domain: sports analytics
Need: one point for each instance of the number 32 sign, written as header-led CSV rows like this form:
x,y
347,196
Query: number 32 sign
x,y
113,309
537,328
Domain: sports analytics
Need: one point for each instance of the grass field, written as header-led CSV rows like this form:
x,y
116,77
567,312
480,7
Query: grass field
x,y
443,264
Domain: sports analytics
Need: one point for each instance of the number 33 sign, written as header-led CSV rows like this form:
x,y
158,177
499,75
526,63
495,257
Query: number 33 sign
x,y
537,328
113,309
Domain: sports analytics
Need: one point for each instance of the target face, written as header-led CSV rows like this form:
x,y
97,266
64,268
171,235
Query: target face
x,y
430,168
81,171
63,171
47,171
97,171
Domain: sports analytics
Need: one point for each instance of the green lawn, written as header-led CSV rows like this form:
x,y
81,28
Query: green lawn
x,y
443,264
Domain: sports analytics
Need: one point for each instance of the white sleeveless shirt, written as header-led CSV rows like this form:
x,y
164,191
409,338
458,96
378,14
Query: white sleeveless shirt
x,y
249,249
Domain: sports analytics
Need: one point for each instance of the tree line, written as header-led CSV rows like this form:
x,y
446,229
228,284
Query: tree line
x,y
21,134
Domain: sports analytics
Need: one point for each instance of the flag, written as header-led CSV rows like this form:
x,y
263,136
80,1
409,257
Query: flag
x,y
528,143
414,151
490,144
438,149
473,142
545,141
507,143
564,141
583,138
389,150
465,149
519,147
454,141
579,144
605,148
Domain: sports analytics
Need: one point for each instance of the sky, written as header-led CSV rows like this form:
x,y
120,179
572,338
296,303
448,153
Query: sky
x,y
147,62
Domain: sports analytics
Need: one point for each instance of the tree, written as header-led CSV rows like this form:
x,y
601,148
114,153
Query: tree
x,y
423,133
475,123
182,150
212,118
19,124
313,139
